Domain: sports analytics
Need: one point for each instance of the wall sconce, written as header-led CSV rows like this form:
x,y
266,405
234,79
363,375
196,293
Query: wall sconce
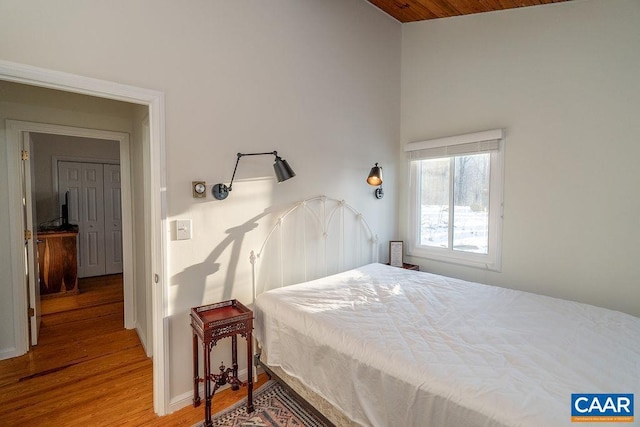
x,y
281,167
375,179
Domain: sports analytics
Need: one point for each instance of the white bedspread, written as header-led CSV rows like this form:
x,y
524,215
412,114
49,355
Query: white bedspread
x,y
392,347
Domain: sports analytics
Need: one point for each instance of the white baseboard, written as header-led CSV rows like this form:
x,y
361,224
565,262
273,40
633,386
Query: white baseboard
x,y
143,339
8,353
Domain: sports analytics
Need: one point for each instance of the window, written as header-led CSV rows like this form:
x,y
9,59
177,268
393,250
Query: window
x,y
456,199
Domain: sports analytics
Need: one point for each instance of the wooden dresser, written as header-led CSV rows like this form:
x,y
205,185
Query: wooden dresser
x,y
58,262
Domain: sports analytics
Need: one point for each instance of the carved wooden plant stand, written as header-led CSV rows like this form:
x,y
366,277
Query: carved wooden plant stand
x,y
211,323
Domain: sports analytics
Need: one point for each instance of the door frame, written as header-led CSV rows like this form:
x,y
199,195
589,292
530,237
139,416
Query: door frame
x,y
31,253
155,178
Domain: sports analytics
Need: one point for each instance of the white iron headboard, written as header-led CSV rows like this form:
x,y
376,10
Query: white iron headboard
x,y
317,237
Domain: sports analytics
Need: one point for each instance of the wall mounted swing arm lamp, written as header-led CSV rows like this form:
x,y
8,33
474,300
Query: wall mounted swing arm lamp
x,y
281,167
375,179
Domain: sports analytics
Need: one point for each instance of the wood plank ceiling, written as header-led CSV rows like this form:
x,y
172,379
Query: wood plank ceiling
x,y
420,10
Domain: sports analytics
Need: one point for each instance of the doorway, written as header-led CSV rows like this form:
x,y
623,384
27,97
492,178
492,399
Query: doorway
x,y
24,130
79,215
154,179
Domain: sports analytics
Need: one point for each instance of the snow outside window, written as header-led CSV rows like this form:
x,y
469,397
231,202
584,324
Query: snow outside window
x,y
456,199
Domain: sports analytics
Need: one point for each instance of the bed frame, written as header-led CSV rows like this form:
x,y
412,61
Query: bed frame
x,y
317,237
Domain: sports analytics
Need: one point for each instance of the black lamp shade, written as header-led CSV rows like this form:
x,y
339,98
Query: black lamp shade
x,y
283,170
375,176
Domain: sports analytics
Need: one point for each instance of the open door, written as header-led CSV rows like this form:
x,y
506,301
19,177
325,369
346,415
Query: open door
x,y
30,240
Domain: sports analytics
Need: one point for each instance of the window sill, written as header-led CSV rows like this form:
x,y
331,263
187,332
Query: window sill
x,y
482,262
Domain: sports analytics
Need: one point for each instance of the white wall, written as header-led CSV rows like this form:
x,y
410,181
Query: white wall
x,y
563,80
319,81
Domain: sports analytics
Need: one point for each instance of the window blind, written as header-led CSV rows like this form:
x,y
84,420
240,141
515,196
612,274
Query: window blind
x,y
472,143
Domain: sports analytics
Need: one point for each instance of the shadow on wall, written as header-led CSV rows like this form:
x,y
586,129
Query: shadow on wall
x,y
193,279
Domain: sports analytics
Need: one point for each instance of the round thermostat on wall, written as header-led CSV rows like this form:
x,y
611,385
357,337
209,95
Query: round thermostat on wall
x,y
199,189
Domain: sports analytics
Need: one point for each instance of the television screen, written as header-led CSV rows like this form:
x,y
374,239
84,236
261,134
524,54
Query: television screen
x,y
65,209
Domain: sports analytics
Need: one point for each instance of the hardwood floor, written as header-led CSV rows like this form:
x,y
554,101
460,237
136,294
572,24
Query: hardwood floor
x,y
87,369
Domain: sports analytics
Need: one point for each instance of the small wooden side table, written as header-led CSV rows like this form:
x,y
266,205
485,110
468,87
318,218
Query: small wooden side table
x,y
410,266
211,323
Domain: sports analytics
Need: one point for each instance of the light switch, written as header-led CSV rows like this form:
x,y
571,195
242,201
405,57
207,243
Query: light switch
x,y
183,229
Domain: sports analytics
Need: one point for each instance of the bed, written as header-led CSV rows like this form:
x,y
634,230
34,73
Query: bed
x,y
385,346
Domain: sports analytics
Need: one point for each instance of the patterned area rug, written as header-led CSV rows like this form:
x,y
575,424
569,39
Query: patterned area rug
x,y
274,407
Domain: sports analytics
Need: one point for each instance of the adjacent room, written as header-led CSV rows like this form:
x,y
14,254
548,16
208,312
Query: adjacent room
x,y
267,159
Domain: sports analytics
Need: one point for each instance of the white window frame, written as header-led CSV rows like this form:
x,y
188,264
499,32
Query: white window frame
x,y
491,141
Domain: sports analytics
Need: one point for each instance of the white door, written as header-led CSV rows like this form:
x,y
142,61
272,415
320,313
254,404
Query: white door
x,y
113,219
84,181
92,220
31,245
